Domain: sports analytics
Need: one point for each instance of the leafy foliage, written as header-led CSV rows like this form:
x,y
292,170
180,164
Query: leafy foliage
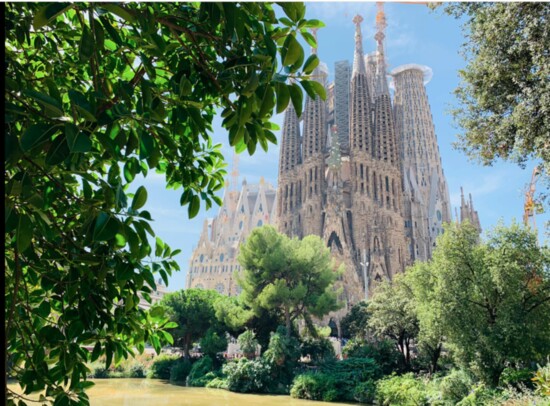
x,y
505,93
355,323
247,376
294,276
162,365
213,342
248,344
314,386
493,298
98,94
193,311
319,350
180,370
201,372
404,390
383,352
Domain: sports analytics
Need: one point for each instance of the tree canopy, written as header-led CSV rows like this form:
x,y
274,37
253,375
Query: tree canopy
x,y
504,95
97,94
295,276
491,299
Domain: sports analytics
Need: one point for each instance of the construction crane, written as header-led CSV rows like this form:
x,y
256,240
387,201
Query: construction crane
x,y
529,205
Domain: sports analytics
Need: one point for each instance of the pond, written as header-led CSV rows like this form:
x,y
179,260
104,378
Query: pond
x,y
147,392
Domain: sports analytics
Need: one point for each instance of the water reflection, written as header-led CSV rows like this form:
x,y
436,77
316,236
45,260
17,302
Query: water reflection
x,y
147,392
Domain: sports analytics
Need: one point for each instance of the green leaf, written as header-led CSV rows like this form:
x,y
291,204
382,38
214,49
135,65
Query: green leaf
x,y
53,107
185,86
105,228
76,140
87,44
319,89
159,246
194,206
48,12
311,63
119,11
82,105
37,134
268,102
23,234
310,39
59,151
297,98
313,23
140,198
292,50
283,97
96,351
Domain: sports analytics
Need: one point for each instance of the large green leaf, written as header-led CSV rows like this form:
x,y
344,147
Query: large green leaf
x,y
292,50
106,227
283,97
140,198
77,140
48,12
23,234
37,134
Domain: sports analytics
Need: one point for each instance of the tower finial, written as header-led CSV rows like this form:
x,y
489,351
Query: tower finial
x,y
381,24
462,196
358,59
235,172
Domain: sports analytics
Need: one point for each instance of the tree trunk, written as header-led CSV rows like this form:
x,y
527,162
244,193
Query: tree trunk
x,y
186,345
435,358
287,319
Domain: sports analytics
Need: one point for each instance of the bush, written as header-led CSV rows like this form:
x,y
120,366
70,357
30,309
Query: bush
x,y
282,355
180,370
480,395
455,386
212,343
136,370
364,392
161,366
248,376
517,378
319,350
314,386
542,380
383,352
98,370
404,390
248,344
217,383
199,370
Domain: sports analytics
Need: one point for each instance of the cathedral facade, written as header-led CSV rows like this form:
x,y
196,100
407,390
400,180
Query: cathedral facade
x,y
363,171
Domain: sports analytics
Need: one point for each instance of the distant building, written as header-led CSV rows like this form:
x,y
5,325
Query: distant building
x,y
214,261
156,295
467,212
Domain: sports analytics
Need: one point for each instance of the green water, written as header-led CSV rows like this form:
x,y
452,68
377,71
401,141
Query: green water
x,y
152,392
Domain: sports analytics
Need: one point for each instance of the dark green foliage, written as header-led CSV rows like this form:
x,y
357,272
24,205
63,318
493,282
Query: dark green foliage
x,y
455,386
98,95
180,370
201,372
504,93
282,354
162,365
383,352
213,343
137,370
355,323
248,344
319,350
404,390
349,380
518,378
314,386
248,376
193,311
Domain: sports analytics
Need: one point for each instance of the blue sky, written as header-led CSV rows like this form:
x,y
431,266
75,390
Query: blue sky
x,y
414,35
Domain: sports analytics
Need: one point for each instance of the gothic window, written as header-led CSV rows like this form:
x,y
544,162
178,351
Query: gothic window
x,y
202,258
241,225
220,288
221,257
260,208
242,209
260,223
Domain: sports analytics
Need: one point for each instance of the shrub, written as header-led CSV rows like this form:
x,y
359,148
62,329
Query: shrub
x,y
98,370
212,343
282,355
364,392
319,350
517,378
314,386
180,370
199,370
136,370
455,386
480,395
161,366
404,390
383,352
217,383
248,376
542,380
248,344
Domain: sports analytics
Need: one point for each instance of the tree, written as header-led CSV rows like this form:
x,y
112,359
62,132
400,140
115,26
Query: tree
x,y
492,298
248,344
97,94
393,314
295,276
193,311
420,279
505,92
355,323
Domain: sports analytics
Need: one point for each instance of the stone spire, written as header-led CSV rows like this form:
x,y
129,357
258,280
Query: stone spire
x,y
314,33
360,106
358,58
381,80
290,155
468,213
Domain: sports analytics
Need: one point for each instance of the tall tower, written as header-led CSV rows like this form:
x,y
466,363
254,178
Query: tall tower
x,y
427,203
342,73
289,183
313,153
467,212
